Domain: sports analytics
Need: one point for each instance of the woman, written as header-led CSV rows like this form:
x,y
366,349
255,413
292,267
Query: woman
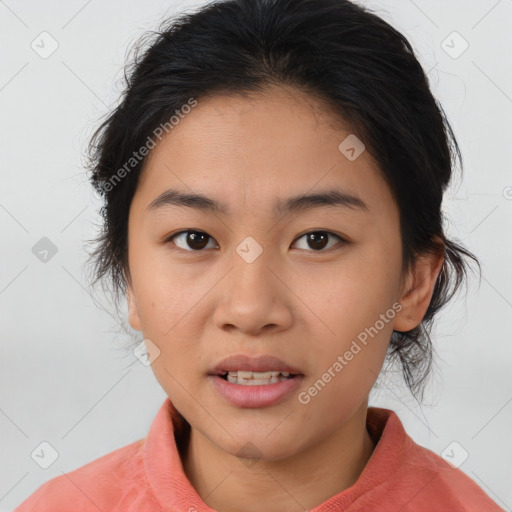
x,y
273,180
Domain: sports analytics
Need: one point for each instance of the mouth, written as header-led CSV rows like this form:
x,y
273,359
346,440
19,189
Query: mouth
x,y
253,371
249,381
255,393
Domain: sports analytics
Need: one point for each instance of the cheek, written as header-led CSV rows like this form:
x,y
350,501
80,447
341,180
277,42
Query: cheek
x,y
172,314
360,292
357,314
166,292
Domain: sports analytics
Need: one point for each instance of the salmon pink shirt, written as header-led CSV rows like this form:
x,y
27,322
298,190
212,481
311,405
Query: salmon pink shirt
x,y
148,476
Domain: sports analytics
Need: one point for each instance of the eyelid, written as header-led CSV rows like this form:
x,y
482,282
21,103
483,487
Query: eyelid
x,y
342,240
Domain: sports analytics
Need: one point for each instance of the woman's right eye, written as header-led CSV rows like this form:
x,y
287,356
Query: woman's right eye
x,y
194,239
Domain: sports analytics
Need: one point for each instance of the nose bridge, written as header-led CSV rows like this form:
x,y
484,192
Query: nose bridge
x,y
251,262
255,248
252,297
251,228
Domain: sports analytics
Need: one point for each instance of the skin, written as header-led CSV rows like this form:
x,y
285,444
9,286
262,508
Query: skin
x,y
302,304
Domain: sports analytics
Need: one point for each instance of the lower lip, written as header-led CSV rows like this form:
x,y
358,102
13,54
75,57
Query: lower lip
x,y
255,396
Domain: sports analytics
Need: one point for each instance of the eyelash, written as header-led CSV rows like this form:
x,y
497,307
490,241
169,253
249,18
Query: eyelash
x,y
178,249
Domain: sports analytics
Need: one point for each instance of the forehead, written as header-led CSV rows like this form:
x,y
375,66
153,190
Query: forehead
x,y
253,152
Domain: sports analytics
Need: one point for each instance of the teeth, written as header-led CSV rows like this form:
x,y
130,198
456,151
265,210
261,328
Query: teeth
x,y
256,378
255,382
257,375
247,375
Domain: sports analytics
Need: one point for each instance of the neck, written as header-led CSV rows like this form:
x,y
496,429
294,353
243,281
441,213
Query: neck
x,y
307,479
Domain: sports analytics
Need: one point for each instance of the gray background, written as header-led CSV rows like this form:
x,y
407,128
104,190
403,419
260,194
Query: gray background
x,y
64,375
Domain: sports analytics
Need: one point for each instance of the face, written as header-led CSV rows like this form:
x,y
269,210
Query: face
x,y
301,285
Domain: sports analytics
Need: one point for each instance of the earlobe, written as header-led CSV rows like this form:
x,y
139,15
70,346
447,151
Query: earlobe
x,y
133,310
418,291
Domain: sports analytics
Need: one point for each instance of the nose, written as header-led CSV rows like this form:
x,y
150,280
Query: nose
x,y
254,297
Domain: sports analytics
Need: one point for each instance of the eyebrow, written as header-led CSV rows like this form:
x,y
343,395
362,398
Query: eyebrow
x,y
300,202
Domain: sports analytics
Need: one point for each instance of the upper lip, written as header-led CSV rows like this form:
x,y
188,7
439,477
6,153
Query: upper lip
x,y
253,364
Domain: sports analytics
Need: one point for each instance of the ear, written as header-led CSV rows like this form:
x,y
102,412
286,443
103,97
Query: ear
x,y
419,287
133,310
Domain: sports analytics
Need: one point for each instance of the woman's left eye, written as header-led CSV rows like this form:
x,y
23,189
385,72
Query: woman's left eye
x,y
318,240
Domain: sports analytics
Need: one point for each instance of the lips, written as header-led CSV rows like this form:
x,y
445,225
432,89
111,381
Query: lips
x,y
253,364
